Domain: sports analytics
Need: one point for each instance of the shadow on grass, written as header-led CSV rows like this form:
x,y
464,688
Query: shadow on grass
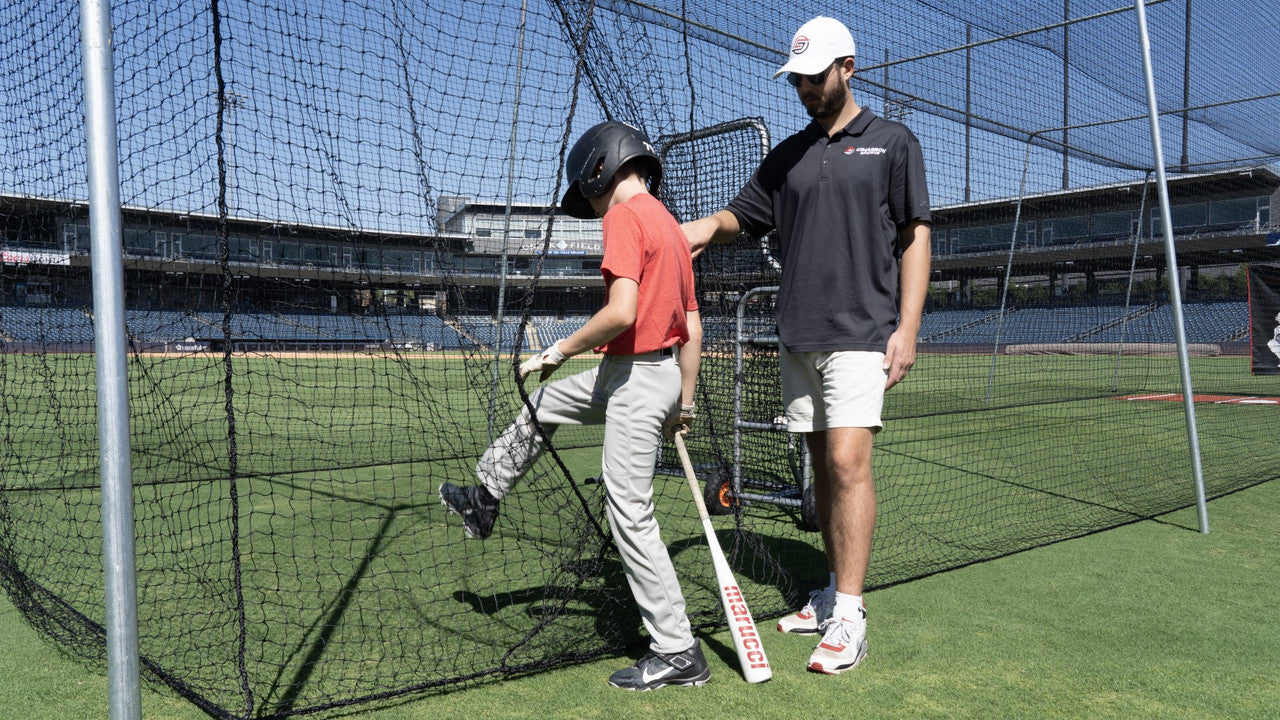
x,y
328,622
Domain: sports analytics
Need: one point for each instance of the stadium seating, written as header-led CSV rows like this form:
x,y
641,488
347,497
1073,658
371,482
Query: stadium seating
x,y
426,330
1219,321
940,325
1206,322
47,325
161,326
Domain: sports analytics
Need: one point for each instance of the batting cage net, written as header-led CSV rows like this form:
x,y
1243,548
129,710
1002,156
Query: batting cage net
x,y
340,237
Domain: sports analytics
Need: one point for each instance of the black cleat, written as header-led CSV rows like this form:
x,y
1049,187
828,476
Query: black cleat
x,y
656,670
474,505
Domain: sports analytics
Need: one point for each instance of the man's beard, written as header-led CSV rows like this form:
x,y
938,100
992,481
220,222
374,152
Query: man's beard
x,y
830,103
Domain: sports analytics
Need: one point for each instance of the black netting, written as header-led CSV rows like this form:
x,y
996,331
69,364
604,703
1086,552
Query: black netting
x,y
340,231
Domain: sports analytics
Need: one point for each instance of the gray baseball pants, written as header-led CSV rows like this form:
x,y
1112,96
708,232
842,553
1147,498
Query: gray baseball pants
x,y
632,395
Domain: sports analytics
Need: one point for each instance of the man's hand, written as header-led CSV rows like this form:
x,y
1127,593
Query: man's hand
x,y
680,421
899,356
547,361
698,233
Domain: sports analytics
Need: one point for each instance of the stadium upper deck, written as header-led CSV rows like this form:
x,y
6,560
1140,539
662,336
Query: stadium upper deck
x,y
1222,218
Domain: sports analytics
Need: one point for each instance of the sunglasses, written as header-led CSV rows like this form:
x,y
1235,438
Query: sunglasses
x,y
795,78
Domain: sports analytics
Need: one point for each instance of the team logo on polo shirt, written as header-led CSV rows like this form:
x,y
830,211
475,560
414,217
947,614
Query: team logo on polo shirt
x,y
800,45
864,150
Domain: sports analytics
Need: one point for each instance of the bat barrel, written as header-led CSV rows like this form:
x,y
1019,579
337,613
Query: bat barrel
x,y
742,628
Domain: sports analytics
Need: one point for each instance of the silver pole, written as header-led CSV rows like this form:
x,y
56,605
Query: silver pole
x,y
506,219
1175,292
1128,291
112,374
1008,272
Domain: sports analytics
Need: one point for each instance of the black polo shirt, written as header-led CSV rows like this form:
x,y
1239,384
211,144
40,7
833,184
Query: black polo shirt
x,y
838,204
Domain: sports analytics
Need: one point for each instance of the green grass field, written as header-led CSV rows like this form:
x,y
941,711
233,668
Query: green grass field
x,y
1150,620
355,580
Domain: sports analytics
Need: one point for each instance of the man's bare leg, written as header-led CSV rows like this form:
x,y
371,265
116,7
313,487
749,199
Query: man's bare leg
x,y
846,501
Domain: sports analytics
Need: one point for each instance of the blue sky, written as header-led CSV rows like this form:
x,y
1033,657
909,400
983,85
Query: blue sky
x,y
363,114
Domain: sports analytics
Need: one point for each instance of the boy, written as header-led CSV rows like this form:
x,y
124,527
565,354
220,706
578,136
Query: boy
x,y
637,391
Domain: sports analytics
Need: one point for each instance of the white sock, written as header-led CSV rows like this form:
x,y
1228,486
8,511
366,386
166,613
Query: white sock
x,y
848,606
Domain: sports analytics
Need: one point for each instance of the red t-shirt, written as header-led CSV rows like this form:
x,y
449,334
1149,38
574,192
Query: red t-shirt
x,y
643,242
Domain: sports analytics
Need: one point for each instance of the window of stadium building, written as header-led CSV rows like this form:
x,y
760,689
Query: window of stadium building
x,y
316,254
243,249
202,247
75,238
1188,217
479,264
1235,215
988,238
167,245
1112,226
1066,231
140,242
1232,214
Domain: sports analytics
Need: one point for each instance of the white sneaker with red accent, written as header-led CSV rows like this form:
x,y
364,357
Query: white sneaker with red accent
x,y
844,644
808,619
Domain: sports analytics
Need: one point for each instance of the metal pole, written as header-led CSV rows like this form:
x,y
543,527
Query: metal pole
x,y
1066,92
1186,87
1171,265
1008,271
506,220
112,375
1128,291
886,85
968,107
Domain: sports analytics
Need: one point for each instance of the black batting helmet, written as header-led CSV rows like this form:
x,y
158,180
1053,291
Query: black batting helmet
x,y
610,143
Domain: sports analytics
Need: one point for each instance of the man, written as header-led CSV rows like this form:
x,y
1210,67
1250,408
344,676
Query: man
x,y
848,200
637,391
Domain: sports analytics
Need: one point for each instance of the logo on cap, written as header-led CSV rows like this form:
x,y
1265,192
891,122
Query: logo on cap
x,y
800,45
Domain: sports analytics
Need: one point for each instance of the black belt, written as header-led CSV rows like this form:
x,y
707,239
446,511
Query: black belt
x,y
664,352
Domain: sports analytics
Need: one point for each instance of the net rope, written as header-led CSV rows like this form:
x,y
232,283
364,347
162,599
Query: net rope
x,y
315,225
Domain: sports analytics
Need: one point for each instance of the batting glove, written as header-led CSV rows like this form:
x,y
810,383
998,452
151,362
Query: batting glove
x,y
679,422
547,362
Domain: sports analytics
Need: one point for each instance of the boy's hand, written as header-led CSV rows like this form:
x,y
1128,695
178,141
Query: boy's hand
x,y
547,361
680,421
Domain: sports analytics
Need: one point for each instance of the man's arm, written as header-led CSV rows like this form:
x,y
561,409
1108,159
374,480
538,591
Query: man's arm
x,y
721,227
900,354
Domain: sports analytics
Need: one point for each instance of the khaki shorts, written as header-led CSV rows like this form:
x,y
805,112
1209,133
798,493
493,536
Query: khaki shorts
x,y
823,390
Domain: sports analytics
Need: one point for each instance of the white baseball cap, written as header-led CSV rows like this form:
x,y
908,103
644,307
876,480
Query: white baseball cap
x,y
816,45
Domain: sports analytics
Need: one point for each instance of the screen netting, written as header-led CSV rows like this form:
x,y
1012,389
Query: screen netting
x,y
340,232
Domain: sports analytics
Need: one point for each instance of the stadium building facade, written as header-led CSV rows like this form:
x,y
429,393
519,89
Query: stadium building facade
x,y
1068,247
